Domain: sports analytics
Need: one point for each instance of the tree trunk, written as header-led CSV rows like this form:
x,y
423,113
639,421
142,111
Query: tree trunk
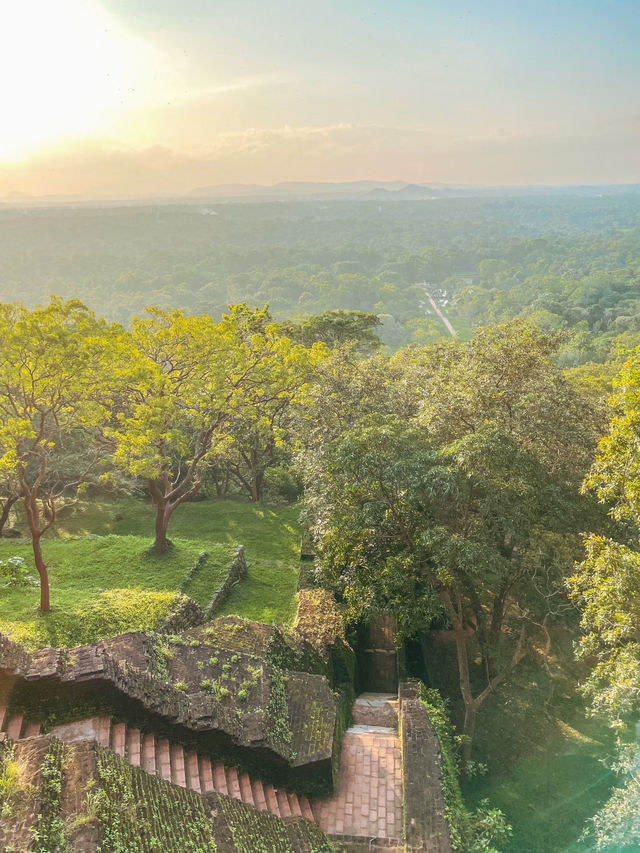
x,y
164,511
45,601
36,529
254,477
469,730
470,708
470,704
6,509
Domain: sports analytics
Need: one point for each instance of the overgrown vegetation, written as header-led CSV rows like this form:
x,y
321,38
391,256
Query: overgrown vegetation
x,y
260,832
471,832
9,778
139,813
442,483
50,833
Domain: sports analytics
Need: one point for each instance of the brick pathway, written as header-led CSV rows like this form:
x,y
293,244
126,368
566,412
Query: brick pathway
x,y
368,802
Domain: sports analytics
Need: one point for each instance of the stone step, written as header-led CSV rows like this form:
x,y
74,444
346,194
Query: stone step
x,y
178,775
134,747
14,727
381,731
233,783
246,791
307,811
376,709
104,731
258,795
283,803
220,779
149,754
206,775
119,739
271,799
163,759
294,805
192,770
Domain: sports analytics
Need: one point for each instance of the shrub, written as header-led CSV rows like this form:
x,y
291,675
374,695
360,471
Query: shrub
x,y
15,573
282,484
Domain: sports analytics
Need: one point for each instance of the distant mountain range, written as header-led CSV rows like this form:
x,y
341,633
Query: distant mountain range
x,y
387,191
376,191
288,190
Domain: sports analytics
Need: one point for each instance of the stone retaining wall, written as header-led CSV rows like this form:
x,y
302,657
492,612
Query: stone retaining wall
x,y
426,826
237,572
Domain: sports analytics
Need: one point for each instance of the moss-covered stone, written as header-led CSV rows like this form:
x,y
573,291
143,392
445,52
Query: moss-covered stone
x,y
246,830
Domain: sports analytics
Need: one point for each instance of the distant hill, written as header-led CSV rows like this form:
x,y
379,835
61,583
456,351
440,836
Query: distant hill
x,y
388,191
290,190
410,192
305,191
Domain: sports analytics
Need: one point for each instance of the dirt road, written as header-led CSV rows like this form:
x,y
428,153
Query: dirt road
x,y
448,326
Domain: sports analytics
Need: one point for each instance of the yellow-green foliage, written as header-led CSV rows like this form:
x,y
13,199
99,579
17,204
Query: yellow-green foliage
x,y
10,785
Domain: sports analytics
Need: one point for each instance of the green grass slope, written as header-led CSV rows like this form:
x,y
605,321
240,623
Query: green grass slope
x,y
105,580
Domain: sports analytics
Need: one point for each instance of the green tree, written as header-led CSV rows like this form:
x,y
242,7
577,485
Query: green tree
x,y
53,393
190,379
262,427
465,511
606,583
339,327
606,586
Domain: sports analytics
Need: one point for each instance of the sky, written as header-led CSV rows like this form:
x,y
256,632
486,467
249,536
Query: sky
x,y
118,98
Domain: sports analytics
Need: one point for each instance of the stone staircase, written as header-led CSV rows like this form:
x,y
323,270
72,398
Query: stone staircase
x,y
170,761
367,806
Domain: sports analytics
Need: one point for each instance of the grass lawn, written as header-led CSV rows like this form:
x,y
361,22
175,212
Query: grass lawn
x,y
549,795
544,756
103,586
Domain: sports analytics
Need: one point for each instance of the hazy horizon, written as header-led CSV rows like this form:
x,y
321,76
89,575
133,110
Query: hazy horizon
x,y
108,98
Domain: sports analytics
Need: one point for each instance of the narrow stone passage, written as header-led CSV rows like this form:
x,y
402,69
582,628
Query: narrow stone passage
x,y
368,802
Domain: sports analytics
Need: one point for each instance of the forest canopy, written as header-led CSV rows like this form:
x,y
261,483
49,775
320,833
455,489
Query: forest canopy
x,y
564,261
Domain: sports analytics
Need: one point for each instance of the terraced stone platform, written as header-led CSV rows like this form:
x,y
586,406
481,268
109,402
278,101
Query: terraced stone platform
x,y
368,802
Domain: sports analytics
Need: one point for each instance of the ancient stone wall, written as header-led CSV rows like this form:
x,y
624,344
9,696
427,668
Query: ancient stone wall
x,y
232,677
378,658
426,826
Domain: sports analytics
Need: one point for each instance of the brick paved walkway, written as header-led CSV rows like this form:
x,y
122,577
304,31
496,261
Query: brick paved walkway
x,y
368,802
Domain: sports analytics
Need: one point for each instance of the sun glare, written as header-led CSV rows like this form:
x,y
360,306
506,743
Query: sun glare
x,y
64,66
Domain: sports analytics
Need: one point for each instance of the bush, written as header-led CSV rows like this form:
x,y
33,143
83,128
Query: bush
x,y
112,612
282,484
14,572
